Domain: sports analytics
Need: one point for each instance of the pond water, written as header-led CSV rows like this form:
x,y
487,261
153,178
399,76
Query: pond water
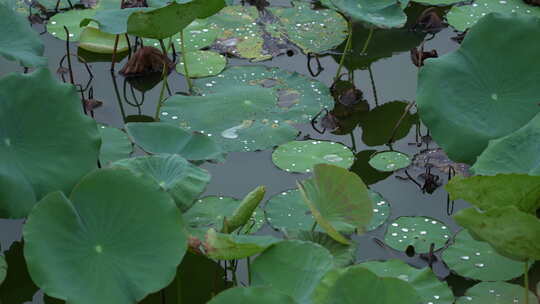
x,y
390,79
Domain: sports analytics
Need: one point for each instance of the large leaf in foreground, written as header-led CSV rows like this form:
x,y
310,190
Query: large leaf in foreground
x,y
338,199
495,293
46,143
174,174
3,268
510,231
115,145
259,295
487,192
292,267
117,233
471,96
19,41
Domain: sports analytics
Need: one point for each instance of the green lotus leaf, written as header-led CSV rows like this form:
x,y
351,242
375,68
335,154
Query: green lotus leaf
x,y
166,21
511,232
378,124
180,178
366,172
18,6
344,255
211,211
111,223
202,64
301,156
115,145
19,42
359,284
388,161
36,163
465,110
17,287
381,14
156,137
70,19
479,261
244,212
381,210
424,281
221,246
320,294
416,231
94,40
260,295
198,34
465,16
516,152
487,192
338,199
313,31
301,266
437,2
495,293
112,21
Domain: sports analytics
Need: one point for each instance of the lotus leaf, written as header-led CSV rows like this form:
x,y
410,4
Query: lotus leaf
x,y
260,295
428,286
437,2
220,246
479,261
301,266
19,42
112,21
17,287
198,34
166,21
495,293
381,210
115,145
203,64
487,192
381,14
471,96
416,231
338,199
287,212
388,161
516,152
466,16
181,179
511,232
344,255
110,225
94,40
359,284
301,156
70,19
211,211
366,172
155,137
32,166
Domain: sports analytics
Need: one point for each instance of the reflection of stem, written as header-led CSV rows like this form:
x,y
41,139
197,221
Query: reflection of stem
x,y
373,86
314,225
248,262
116,40
405,112
526,282
69,57
353,141
184,59
118,98
348,46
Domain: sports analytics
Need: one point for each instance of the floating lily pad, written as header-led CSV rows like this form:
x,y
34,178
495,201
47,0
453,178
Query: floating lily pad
x,y
94,40
19,42
428,286
465,16
202,64
381,210
34,165
301,156
221,246
381,14
165,138
313,31
495,293
464,112
210,212
301,266
367,173
70,19
106,226
115,145
112,21
515,153
198,35
437,2
338,199
389,161
344,255
479,261
259,295
287,212
181,179
417,231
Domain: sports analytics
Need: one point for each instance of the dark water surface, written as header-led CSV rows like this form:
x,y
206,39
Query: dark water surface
x,y
394,79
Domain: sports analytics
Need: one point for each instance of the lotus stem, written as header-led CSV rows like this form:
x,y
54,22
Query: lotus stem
x,y
248,263
373,87
526,281
71,79
184,59
162,92
353,141
347,49
116,40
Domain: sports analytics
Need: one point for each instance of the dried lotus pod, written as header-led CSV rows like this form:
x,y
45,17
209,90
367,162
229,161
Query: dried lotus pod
x,y
146,60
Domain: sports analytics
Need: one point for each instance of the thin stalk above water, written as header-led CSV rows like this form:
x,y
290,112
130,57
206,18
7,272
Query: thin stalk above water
x,y
184,60
348,46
